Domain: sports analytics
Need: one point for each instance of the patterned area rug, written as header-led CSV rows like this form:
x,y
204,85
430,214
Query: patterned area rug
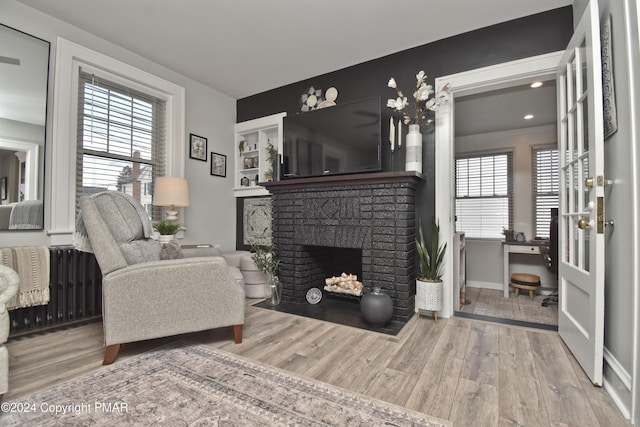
x,y
193,385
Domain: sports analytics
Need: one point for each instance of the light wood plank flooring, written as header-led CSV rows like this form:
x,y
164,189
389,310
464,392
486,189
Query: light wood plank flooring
x,y
469,372
491,302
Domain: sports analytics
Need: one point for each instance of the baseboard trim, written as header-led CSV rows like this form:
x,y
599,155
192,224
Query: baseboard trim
x,y
618,383
484,285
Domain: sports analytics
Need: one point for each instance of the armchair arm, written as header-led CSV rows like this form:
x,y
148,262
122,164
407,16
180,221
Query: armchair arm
x,y
162,298
9,284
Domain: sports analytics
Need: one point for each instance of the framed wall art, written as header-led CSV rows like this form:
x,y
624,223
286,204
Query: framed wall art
x,y
198,147
218,164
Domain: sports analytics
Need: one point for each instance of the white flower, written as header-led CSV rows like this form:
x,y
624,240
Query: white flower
x,y
420,77
399,104
432,104
392,83
423,92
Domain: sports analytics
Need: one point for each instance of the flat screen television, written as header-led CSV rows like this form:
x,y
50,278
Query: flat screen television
x,y
341,139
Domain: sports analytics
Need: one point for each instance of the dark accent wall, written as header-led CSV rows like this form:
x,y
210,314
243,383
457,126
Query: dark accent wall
x,y
533,35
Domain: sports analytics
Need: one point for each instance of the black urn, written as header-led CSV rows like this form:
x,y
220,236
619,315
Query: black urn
x,y
376,307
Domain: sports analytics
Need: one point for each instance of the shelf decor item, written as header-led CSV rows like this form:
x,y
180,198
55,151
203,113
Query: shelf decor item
x,y
429,283
376,307
424,103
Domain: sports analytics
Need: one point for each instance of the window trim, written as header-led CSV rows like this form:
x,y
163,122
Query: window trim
x,y
69,58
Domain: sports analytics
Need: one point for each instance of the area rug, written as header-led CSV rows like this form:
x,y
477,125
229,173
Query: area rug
x,y
193,385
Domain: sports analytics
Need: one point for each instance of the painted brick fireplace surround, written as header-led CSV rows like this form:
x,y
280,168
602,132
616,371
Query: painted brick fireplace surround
x,y
370,218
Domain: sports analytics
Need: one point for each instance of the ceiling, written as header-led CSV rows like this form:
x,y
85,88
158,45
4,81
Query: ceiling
x,y
245,47
504,109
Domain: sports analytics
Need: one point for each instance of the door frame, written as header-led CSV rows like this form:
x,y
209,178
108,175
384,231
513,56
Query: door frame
x,y
508,74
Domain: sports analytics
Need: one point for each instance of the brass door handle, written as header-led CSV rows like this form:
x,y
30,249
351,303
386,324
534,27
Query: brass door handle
x,y
583,224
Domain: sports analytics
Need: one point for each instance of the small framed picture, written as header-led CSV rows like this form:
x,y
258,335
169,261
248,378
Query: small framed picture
x,y
218,164
198,147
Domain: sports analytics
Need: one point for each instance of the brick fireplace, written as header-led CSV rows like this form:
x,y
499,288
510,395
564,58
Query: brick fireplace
x,y
363,224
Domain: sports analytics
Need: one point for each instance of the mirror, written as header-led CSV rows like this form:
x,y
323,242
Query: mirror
x,y
24,71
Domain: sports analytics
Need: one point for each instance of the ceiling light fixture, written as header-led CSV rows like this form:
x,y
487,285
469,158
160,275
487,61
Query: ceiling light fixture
x,y
536,84
529,117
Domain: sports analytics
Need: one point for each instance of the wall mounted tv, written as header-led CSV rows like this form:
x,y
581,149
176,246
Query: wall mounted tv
x,y
334,140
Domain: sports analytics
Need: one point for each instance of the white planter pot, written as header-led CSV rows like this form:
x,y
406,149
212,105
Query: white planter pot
x,y
165,238
429,297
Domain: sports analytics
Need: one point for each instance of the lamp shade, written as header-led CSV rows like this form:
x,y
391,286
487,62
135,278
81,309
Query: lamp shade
x,y
171,191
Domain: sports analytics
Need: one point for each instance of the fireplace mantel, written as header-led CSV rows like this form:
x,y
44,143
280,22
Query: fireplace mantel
x,y
350,179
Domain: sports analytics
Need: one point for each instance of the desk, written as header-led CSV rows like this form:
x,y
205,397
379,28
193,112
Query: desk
x,y
532,248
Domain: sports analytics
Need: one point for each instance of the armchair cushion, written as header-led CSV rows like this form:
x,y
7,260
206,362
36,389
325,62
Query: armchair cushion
x,y
142,250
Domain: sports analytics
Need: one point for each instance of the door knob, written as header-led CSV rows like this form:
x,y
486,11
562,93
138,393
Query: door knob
x,y
583,224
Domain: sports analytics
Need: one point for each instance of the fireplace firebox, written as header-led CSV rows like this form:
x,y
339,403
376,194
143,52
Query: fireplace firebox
x,y
363,224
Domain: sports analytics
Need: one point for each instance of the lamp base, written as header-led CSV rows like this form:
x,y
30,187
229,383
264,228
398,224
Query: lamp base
x,y
172,215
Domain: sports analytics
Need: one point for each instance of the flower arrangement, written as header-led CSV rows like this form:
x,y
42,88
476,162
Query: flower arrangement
x,y
423,101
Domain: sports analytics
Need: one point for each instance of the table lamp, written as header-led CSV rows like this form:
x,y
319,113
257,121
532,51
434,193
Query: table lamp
x,y
172,192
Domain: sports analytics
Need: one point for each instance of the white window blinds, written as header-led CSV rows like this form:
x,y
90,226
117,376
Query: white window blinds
x,y
546,184
121,140
484,195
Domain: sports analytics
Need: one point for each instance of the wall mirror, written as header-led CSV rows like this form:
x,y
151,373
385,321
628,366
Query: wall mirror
x,y
24,76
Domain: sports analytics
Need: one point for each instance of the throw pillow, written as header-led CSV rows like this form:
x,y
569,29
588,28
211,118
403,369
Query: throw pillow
x,y
139,251
171,250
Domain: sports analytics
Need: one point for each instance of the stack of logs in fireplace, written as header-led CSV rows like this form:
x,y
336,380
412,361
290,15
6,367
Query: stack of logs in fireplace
x,y
344,284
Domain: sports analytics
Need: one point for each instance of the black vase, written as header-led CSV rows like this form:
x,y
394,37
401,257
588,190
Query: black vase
x,y
376,307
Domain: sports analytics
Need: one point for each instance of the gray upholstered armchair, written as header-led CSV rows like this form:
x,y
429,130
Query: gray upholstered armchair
x,y
145,297
9,285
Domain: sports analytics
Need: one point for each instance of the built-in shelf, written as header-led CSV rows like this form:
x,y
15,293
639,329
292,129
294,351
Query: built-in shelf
x,y
258,133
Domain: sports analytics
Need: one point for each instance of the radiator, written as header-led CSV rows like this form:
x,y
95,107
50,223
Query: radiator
x,y
75,286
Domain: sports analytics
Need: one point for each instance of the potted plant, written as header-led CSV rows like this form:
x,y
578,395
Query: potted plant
x,y
167,230
241,146
267,261
272,153
509,234
429,283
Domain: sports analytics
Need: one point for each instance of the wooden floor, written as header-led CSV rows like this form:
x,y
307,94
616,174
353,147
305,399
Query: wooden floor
x,y
491,302
469,372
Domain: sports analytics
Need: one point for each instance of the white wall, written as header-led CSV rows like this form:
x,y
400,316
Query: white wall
x,y
484,253
209,113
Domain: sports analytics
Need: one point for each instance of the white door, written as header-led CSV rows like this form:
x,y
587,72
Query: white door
x,y
581,225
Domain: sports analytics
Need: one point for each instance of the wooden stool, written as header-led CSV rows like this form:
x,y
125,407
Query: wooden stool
x,y
525,281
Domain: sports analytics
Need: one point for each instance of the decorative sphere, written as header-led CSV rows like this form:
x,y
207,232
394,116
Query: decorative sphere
x,y
376,307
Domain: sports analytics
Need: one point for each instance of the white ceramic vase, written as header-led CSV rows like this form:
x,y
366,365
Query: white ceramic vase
x,y
413,161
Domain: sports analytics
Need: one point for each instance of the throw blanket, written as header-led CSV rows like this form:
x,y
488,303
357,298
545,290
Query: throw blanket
x,y
81,240
27,215
32,265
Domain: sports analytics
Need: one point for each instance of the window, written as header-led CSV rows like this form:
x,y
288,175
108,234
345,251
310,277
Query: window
x,y
121,140
484,195
545,187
